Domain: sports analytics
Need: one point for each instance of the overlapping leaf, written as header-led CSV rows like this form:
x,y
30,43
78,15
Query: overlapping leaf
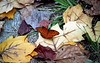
x,y
16,49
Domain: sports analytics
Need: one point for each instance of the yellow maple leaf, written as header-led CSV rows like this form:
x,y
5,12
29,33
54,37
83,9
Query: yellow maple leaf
x,y
76,14
10,14
16,49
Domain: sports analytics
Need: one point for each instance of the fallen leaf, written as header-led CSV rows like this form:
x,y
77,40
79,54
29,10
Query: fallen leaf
x,y
16,49
70,54
26,2
10,14
76,14
45,23
73,31
26,12
45,53
1,24
8,5
55,41
94,10
37,16
95,32
77,59
24,28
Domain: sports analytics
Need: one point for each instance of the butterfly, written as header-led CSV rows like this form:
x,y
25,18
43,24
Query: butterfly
x,y
46,33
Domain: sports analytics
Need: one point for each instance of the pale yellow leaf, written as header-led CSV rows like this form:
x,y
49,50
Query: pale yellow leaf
x,y
76,14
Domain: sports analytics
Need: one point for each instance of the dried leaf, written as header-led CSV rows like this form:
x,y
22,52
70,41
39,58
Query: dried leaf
x,y
1,24
73,31
26,2
94,10
45,23
26,12
8,5
16,49
70,54
55,41
46,53
24,28
76,14
37,16
95,32
10,14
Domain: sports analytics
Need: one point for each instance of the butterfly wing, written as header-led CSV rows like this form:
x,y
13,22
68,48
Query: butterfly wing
x,y
47,33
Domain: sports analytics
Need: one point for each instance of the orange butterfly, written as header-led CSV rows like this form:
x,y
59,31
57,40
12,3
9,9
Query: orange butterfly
x,y
46,33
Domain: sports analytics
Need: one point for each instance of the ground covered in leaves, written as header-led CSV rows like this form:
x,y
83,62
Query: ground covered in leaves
x,y
48,31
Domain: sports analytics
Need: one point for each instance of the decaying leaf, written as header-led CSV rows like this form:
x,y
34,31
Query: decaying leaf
x,y
45,23
10,14
1,24
45,53
76,14
16,49
37,16
24,28
26,12
94,10
73,31
8,5
94,33
71,54
26,2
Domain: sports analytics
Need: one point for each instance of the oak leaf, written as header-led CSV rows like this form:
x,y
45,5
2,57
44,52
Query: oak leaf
x,y
10,14
1,24
26,2
76,14
16,49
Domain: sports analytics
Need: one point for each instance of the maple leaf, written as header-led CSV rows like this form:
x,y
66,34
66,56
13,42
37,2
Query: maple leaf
x,y
10,14
46,53
24,28
16,49
1,24
37,16
8,5
76,14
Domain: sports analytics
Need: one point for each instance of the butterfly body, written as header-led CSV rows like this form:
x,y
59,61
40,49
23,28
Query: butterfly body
x,y
46,33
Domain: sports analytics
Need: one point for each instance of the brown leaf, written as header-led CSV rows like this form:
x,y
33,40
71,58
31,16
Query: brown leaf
x,y
45,23
26,12
37,16
1,24
24,28
26,2
71,54
46,53
95,10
